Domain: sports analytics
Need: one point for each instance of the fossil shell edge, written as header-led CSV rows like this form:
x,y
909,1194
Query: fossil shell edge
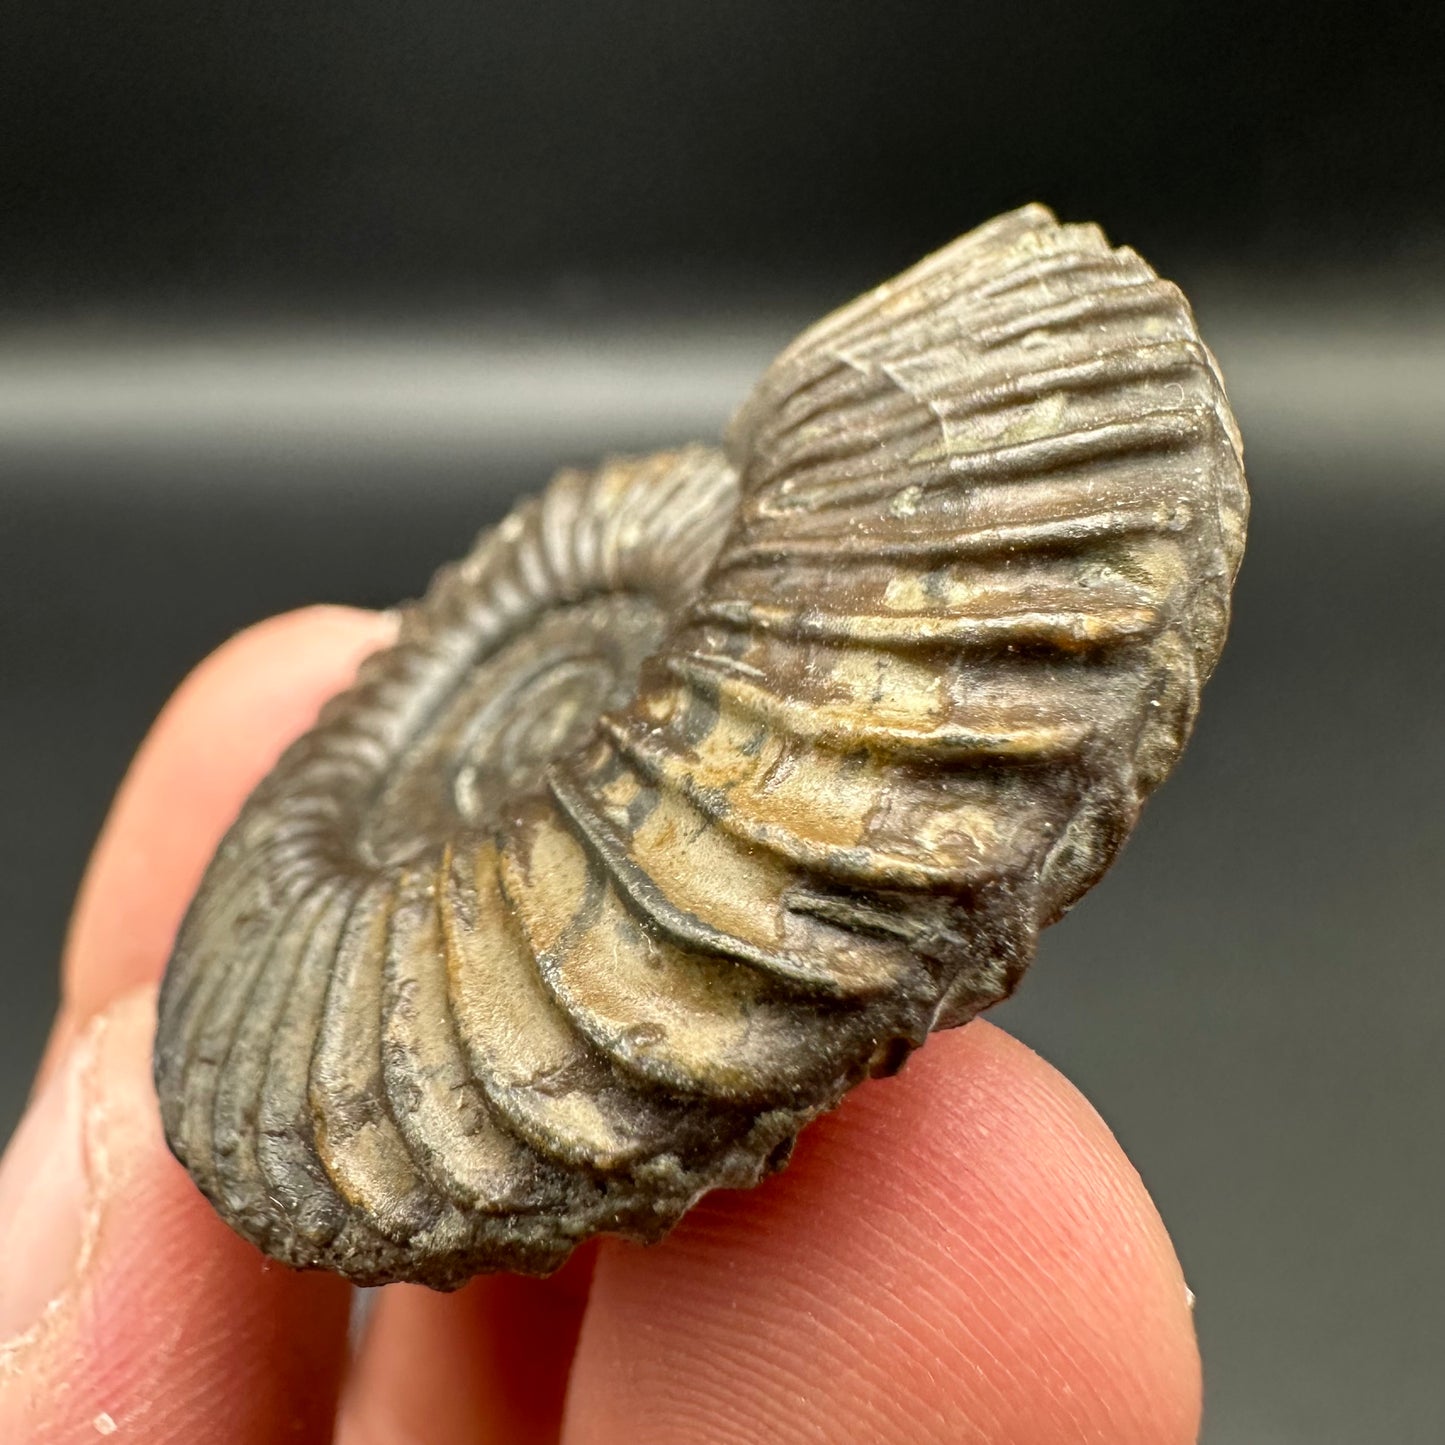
x,y
709,783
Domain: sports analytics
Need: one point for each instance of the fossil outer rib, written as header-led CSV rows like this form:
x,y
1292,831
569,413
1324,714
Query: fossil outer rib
x,y
707,785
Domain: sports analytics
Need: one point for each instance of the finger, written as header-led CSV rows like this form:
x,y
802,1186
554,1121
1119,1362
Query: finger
x,y
215,739
124,1301
961,1254
213,742
126,1306
485,1366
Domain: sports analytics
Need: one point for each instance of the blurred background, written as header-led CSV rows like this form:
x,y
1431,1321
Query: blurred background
x,y
294,299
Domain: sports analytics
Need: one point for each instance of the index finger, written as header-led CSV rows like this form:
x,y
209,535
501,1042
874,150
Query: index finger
x,y
213,742
126,1303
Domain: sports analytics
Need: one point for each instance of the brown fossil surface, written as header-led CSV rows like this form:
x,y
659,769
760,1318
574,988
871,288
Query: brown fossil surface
x,y
709,783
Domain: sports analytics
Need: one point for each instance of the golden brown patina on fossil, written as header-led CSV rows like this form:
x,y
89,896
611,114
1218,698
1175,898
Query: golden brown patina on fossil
x,y
708,784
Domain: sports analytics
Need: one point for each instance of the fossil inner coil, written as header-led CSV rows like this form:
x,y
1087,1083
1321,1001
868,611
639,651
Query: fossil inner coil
x,y
709,783
538,697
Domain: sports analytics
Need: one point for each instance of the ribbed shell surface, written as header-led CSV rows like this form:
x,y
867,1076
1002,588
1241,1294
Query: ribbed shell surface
x,y
707,785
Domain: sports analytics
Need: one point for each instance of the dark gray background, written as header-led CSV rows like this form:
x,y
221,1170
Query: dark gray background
x,y
296,298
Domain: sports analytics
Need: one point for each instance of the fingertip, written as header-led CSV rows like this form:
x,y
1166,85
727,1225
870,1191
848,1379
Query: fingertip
x,y
960,1253
213,741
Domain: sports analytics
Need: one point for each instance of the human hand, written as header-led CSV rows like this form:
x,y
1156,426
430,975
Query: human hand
x,y
958,1254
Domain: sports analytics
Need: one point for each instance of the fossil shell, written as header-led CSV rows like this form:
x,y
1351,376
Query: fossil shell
x,y
708,785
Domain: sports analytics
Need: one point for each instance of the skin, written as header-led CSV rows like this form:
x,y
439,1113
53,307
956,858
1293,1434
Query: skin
x,y
959,1254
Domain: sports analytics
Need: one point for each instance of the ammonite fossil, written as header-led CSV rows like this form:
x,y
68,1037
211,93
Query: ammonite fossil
x,y
709,783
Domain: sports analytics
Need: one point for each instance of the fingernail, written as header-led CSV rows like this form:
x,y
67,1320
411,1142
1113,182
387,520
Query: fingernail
x,y
44,1193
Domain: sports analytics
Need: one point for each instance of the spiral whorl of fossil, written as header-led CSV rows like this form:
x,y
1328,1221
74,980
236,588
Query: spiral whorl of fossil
x,y
703,787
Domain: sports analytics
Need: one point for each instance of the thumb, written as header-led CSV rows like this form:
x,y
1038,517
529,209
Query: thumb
x,y
124,1304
